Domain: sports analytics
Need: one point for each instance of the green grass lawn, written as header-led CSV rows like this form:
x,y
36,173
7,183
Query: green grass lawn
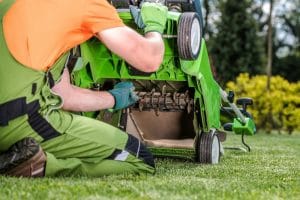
x,y
270,171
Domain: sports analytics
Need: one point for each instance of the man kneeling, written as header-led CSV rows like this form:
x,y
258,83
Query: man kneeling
x,y
38,133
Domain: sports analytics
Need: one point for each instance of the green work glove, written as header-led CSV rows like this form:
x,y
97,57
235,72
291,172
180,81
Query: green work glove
x,y
124,95
151,17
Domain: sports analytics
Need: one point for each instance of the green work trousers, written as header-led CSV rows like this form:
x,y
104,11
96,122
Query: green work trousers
x,y
84,147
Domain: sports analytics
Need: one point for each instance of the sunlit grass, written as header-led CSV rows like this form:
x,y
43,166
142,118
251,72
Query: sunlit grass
x,y
270,171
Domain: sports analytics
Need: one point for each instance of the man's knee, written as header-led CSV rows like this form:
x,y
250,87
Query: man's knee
x,y
136,148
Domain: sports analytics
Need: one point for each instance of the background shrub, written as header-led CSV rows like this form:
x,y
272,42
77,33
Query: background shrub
x,y
278,108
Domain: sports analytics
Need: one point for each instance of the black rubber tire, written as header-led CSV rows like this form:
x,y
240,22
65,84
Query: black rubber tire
x,y
119,4
205,148
187,7
184,36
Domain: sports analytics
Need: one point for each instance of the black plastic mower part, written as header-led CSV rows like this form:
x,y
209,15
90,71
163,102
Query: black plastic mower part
x,y
244,102
248,149
247,114
229,111
120,3
188,40
228,126
135,72
230,96
244,143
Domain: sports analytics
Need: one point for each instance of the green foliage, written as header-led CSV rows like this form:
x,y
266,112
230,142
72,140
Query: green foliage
x,y
288,67
277,109
236,47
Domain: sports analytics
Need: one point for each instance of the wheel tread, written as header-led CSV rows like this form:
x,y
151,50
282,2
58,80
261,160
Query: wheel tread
x,y
184,36
204,147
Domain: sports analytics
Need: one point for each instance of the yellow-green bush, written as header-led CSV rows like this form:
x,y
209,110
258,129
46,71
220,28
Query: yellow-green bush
x,y
277,109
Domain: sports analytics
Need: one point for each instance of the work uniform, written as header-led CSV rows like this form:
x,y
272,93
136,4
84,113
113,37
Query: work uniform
x,y
74,145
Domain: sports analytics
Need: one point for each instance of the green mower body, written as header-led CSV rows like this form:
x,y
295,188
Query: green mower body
x,y
178,113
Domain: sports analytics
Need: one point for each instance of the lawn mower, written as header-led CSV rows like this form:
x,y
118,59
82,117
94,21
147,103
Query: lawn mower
x,y
179,107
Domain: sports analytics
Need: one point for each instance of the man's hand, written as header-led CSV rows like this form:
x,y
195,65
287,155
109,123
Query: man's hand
x,y
124,95
152,17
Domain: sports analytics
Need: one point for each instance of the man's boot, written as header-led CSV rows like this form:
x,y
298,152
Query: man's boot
x,y
24,158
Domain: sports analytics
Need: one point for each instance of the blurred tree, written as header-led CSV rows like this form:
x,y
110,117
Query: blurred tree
x,y
270,46
285,35
236,47
288,66
209,10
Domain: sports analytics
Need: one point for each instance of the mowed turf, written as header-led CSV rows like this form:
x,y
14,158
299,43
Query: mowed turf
x,y
270,171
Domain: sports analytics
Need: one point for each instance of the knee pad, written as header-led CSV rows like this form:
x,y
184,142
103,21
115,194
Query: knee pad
x,y
137,148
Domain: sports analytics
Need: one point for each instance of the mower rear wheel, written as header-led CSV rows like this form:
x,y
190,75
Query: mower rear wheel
x,y
189,36
208,148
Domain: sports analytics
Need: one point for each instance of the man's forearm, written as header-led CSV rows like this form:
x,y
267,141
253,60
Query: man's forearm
x,y
158,45
87,100
80,99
